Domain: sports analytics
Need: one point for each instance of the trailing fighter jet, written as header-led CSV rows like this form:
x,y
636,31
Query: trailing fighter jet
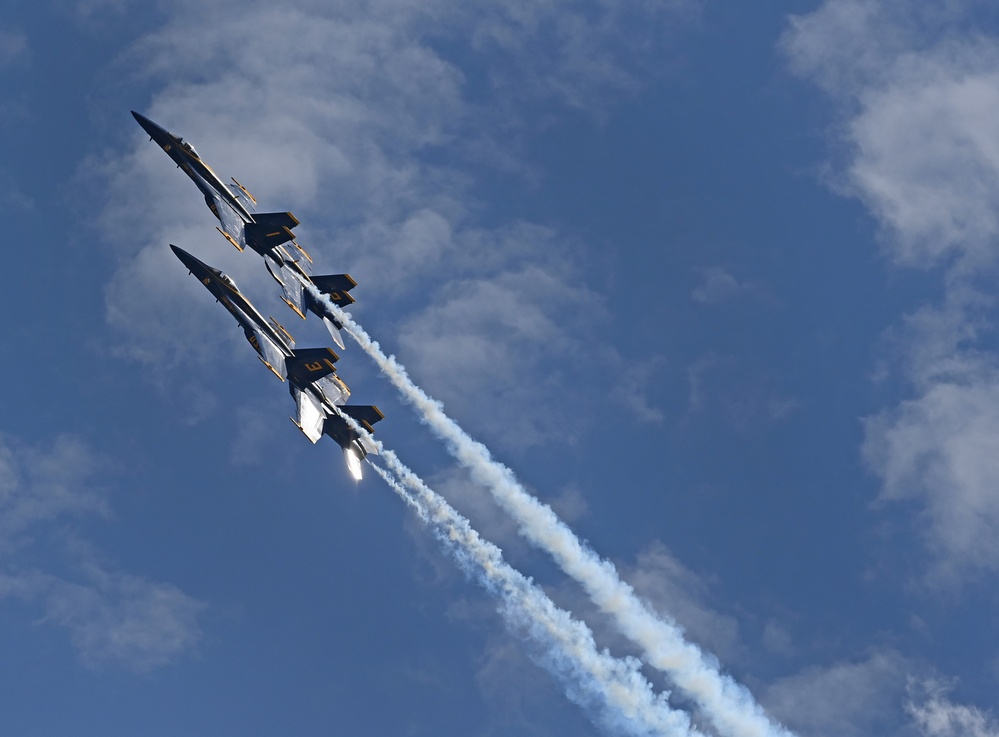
x,y
266,233
320,395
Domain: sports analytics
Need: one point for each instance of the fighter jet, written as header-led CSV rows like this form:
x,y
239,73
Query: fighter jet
x,y
266,233
320,395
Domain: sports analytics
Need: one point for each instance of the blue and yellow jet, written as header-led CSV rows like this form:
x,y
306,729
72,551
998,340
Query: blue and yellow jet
x,y
320,395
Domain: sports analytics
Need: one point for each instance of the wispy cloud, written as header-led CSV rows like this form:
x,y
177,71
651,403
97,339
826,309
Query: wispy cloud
x,y
936,715
917,86
919,99
718,284
666,583
112,617
14,47
722,384
39,485
847,699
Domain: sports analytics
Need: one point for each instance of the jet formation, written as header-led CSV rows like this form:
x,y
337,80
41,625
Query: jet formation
x,y
267,233
320,394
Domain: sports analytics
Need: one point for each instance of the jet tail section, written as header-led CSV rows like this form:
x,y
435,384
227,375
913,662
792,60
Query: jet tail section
x,y
308,365
355,447
270,230
336,287
364,415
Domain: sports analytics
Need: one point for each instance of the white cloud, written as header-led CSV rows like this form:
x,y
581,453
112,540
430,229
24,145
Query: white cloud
x,y
930,163
849,699
777,639
12,197
917,85
39,485
574,53
630,390
922,142
939,449
937,716
719,285
112,617
483,345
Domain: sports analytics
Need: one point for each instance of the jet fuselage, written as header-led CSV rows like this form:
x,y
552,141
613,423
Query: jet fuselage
x,y
188,159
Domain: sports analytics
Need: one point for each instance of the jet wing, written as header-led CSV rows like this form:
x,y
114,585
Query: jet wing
x,y
291,286
232,224
270,353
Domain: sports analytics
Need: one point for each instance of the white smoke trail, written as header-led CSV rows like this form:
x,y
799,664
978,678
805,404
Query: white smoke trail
x,y
727,704
593,679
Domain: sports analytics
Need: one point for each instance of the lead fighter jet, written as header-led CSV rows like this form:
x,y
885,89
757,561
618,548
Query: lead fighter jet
x,y
266,233
320,395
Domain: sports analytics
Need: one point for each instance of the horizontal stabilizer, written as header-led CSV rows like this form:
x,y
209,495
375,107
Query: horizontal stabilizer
x,y
307,365
355,446
336,287
276,219
269,230
365,415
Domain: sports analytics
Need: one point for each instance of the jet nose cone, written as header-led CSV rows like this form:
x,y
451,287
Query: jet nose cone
x,y
149,126
188,260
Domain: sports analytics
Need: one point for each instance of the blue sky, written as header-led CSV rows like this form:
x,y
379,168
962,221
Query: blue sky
x,y
716,282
